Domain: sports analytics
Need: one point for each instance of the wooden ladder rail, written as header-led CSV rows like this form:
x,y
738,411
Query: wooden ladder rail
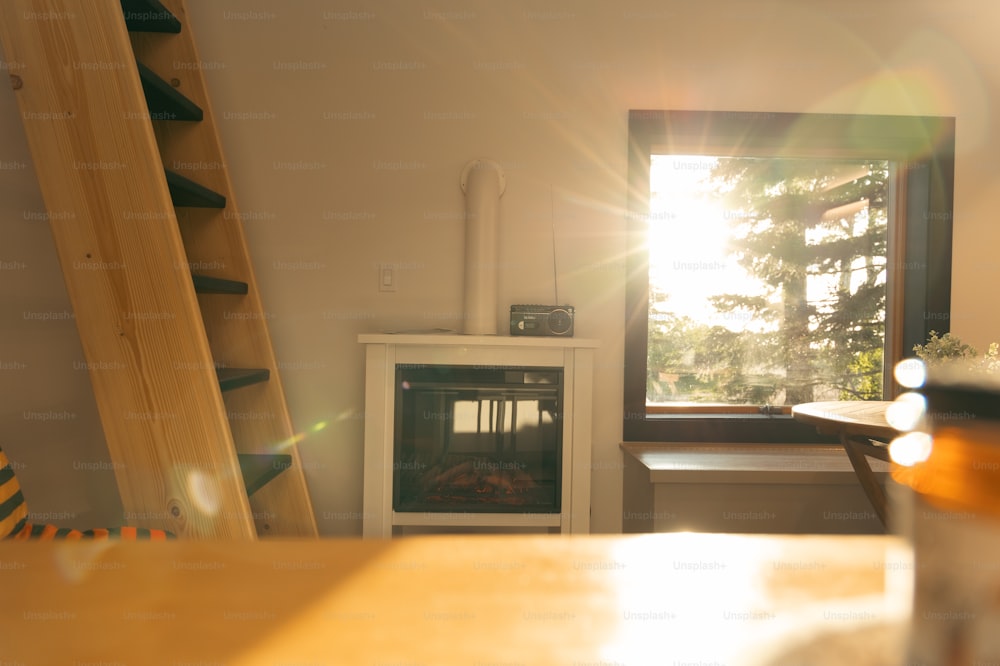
x,y
157,349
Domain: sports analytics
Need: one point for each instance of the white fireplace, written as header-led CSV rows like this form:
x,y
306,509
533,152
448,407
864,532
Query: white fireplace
x,y
477,432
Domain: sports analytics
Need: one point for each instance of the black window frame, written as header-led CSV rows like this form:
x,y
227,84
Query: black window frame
x,y
922,148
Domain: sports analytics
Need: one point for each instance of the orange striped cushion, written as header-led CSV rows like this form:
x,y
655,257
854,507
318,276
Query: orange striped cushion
x,y
13,510
14,518
127,533
42,532
45,532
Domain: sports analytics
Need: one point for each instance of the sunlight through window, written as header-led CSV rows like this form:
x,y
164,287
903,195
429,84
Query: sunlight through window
x,y
767,280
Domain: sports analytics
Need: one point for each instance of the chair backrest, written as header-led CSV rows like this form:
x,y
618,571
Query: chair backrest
x,y
13,510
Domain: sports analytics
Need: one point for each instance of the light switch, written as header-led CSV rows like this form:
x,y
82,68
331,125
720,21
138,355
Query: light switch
x,y
386,278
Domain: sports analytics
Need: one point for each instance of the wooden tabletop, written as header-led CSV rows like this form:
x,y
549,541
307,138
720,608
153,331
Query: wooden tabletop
x,y
545,599
855,417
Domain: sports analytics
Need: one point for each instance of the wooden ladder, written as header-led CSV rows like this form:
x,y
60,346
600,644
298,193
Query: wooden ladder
x,y
114,104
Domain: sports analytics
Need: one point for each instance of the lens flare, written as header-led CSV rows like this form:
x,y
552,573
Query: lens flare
x,y
203,492
910,449
298,437
906,412
910,373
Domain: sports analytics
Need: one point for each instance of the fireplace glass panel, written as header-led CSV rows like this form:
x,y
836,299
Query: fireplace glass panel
x,y
478,439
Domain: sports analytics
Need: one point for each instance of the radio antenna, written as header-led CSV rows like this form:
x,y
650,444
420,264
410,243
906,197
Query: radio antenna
x,y
555,270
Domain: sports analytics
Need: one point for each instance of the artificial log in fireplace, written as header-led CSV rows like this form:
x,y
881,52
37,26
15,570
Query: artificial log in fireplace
x,y
477,439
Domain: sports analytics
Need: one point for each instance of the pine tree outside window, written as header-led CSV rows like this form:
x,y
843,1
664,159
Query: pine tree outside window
x,y
776,259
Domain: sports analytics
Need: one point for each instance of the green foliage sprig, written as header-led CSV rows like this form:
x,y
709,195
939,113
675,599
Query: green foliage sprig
x,y
950,349
945,347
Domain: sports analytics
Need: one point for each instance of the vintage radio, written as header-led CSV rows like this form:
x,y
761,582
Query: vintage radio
x,y
542,320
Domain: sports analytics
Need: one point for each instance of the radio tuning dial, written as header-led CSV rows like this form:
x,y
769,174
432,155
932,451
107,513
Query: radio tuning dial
x,y
560,321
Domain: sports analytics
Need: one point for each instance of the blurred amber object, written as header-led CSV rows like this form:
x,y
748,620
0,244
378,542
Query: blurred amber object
x,y
963,470
951,512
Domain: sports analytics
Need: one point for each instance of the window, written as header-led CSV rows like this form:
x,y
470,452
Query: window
x,y
775,259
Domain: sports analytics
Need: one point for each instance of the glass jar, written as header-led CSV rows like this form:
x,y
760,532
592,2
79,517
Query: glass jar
x,y
947,502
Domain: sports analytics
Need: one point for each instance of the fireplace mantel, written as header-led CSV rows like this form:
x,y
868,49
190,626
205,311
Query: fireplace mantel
x,y
384,351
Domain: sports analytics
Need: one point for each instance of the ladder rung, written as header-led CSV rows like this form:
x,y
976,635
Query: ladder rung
x,y
149,16
184,192
203,284
234,378
259,468
163,100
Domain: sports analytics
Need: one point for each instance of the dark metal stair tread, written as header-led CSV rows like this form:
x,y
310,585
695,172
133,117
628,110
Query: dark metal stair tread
x,y
204,284
149,16
164,101
259,468
234,378
184,192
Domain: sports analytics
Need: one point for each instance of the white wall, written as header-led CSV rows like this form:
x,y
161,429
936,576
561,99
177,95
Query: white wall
x,y
49,425
347,124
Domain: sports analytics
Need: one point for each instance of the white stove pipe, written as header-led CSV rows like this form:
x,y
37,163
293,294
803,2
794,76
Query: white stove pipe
x,y
483,183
